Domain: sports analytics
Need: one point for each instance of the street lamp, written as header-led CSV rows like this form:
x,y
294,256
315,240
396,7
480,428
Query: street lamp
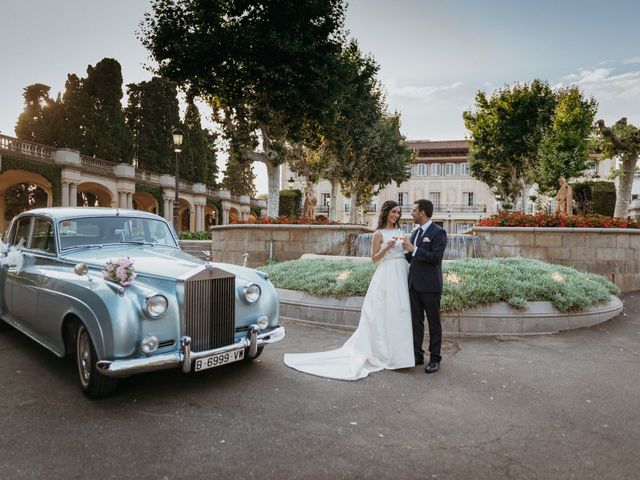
x,y
290,182
177,143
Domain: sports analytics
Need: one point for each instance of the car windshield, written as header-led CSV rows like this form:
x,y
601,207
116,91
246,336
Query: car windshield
x,y
80,232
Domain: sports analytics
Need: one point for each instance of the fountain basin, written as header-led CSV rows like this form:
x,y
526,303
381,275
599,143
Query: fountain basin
x,y
496,319
278,242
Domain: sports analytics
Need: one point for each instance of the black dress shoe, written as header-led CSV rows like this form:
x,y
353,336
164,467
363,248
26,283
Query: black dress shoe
x,y
432,367
419,361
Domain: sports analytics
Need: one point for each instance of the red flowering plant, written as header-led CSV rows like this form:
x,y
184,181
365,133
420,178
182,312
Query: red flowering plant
x,y
288,220
518,219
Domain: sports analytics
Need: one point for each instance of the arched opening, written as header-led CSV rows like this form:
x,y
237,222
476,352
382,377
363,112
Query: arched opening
x,y
21,197
252,216
184,216
146,202
234,215
22,190
210,216
93,195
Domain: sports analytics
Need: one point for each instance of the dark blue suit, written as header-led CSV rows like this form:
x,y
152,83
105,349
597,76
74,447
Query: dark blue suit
x,y
425,289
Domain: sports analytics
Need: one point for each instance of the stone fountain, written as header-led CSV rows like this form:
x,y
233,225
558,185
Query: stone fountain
x,y
458,246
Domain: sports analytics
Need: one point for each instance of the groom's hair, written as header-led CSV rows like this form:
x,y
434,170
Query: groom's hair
x,y
425,206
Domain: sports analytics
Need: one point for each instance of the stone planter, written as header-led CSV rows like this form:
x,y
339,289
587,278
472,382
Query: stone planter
x,y
611,252
279,242
490,320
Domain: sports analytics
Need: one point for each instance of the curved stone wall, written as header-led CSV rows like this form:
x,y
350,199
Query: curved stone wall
x,y
496,319
611,252
279,242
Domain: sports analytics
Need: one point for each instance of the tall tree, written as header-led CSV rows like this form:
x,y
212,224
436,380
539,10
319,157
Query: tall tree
x,y
106,134
621,140
268,66
387,158
77,109
338,147
199,153
565,147
151,115
506,132
238,176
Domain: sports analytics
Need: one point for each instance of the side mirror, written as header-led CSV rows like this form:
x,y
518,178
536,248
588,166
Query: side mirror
x,y
81,269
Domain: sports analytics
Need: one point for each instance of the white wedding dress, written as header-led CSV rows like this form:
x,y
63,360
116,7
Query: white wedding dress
x,y
383,339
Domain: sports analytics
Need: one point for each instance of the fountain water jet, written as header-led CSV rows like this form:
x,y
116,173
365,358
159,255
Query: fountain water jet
x,y
458,246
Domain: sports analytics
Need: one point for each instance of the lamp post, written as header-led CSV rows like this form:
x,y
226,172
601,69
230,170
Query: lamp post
x,y
177,143
290,182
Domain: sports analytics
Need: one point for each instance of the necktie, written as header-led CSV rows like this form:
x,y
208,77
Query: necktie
x,y
419,237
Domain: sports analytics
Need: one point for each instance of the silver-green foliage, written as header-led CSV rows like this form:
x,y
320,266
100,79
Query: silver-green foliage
x,y
468,283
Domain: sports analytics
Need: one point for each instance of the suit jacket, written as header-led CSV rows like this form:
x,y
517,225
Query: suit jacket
x,y
425,270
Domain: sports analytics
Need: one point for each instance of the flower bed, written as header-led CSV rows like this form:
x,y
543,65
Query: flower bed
x,y
519,219
286,220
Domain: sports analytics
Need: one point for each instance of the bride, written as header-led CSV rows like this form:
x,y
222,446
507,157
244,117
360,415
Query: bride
x,y
383,339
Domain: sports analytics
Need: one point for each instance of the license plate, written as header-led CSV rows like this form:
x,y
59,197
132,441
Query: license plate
x,y
218,359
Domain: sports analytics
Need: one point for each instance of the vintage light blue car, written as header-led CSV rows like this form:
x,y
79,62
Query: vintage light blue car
x,y
179,311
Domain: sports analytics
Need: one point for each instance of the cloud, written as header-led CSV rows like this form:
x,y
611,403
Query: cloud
x,y
632,60
617,93
604,83
412,91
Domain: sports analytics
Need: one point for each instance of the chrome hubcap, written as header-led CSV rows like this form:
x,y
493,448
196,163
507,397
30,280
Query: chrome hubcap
x,y
84,356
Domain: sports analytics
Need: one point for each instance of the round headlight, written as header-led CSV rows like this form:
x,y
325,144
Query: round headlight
x,y
156,306
262,322
149,344
251,293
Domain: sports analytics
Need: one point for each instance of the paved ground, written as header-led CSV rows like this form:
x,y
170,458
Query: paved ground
x,y
549,407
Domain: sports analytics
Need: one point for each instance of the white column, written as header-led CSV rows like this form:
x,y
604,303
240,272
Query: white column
x,y
130,200
64,201
167,208
73,195
225,216
122,200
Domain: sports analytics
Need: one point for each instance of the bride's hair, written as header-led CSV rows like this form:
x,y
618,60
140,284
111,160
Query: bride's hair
x,y
384,213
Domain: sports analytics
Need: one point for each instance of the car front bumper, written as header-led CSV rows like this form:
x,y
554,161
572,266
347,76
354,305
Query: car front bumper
x,y
185,357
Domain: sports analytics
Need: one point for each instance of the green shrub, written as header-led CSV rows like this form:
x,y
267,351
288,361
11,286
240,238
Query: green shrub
x,y
290,203
596,197
194,235
468,283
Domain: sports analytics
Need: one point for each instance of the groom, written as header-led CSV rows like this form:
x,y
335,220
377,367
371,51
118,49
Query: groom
x,y
424,252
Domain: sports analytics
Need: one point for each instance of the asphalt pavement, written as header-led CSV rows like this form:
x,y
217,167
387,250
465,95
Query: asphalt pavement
x,y
544,407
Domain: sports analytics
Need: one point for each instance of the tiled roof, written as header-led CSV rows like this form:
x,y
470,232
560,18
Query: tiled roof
x,y
438,144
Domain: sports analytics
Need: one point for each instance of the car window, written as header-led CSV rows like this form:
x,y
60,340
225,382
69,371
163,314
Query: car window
x,y
43,238
21,232
113,230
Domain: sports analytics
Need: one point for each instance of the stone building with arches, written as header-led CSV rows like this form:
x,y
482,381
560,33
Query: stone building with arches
x,y
34,175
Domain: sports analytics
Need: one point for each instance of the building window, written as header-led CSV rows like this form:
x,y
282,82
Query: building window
x,y
449,169
435,199
421,170
326,199
467,199
436,169
403,198
464,169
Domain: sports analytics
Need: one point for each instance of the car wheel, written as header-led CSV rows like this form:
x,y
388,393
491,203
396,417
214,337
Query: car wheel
x,y
246,354
92,383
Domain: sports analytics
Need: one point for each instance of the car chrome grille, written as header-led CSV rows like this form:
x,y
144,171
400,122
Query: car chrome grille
x,y
210,311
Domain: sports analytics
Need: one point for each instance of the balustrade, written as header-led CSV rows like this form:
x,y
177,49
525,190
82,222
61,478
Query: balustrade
x,y
26,149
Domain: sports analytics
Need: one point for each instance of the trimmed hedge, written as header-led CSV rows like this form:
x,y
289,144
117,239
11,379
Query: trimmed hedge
x,y
596,197
290,203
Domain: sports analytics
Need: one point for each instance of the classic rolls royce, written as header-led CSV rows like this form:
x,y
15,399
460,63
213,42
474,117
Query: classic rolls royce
x,y
113,289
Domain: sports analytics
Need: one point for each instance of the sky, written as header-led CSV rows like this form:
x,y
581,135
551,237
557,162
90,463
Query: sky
x,y
433,55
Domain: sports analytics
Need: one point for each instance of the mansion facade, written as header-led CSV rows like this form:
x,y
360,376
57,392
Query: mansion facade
x,y
440,173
